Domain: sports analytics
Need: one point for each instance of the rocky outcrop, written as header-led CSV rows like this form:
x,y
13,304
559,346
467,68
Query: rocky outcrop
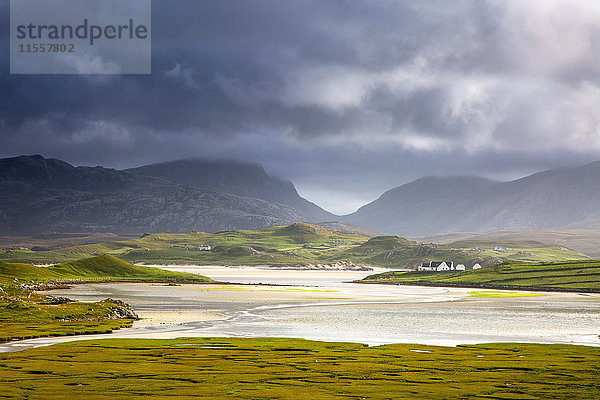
x,y
120,310
338,266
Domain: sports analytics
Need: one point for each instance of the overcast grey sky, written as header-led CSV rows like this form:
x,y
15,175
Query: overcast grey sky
x,y
345,98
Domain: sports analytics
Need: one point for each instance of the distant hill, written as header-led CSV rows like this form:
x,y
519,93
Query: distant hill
x,y
39,195
337,226
297,245
99,267
585,242
232,177
556,199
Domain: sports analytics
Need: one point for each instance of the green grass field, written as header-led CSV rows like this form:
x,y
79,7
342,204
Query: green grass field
x,y
294,245
575,275
219,368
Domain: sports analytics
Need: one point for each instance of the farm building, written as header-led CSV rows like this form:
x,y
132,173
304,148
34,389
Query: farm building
x,y
203,247
436,266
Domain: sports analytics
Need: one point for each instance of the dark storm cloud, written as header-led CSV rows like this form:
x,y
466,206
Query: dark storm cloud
x,y
347,98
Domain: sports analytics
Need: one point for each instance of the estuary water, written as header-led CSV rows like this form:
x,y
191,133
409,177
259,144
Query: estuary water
x,y
323,305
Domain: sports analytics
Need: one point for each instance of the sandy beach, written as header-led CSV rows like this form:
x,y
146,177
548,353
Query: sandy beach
x,y
156,318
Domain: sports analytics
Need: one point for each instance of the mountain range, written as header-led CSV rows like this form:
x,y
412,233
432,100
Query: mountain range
x,y
49,195
233,177
556,199
45,195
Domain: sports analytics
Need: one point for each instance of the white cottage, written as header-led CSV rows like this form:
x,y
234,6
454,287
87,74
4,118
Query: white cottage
x,y
436,266
443,266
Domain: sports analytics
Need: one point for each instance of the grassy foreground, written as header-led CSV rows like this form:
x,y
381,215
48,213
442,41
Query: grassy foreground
x,y
298,369
575,276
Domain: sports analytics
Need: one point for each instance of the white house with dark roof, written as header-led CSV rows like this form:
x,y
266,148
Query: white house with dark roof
x,y
436,266
426,267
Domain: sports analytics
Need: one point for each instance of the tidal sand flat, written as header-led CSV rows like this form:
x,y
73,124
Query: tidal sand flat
x,y
330,309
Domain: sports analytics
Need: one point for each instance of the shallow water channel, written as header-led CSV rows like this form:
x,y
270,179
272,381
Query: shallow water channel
x,y
321,305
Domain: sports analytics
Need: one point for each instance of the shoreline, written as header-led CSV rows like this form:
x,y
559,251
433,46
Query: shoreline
x,y
183,322
238,310
56,284
267,267
484,286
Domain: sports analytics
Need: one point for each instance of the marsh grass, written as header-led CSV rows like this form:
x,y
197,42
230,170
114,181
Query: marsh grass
x,y
298,369
25,315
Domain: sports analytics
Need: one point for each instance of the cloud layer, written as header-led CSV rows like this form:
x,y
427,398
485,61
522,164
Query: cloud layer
x,y
346,98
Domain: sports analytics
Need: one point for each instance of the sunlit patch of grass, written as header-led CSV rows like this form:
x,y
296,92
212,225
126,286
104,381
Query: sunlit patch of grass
x,y
572,275
297,244
298,369
25,315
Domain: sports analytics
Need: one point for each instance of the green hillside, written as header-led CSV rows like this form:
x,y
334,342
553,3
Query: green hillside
x,y
100,267
397,252
527,250
297,245
24,271
576,276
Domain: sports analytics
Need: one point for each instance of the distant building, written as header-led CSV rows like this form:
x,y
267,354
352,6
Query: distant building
x,y
436,266
200,248
476,266
426,267
460,267
443,266
499,248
